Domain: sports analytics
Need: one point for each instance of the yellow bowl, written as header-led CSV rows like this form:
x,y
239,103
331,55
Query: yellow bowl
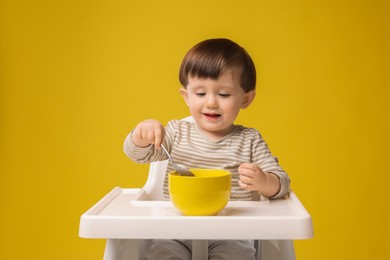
x,y
203,195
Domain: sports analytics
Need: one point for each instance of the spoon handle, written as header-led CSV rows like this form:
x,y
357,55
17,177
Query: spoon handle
x,y
169,156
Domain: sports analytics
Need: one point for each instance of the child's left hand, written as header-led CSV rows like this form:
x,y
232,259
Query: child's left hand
x,y
252,177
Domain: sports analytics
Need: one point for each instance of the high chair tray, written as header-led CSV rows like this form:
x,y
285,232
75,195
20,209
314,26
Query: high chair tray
x,y
117,215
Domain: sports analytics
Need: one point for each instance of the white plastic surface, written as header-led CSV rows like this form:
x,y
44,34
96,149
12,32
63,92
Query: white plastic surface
x,y
116,217
129,218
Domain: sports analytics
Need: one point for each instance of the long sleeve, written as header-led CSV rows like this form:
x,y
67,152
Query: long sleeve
x,y
141,154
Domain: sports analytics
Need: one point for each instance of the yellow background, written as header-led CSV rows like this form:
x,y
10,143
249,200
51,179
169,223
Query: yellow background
x,y
76,76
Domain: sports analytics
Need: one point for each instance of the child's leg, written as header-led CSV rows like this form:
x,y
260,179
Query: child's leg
x,y
232,249
169,249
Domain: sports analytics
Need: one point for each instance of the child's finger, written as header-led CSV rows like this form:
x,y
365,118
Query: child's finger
x,y
249,166
150,137
242,170
246,178
243,185
158,137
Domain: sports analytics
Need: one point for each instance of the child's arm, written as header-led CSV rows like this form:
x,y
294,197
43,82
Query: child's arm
x,y
252,177
148,132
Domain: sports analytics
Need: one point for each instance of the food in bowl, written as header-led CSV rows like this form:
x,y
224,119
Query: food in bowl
x,y
203,195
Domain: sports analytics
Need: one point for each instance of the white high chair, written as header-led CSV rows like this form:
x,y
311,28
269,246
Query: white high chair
x,y
129,226
121,249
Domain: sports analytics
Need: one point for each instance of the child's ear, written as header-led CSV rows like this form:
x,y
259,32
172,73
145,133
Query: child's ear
x,y
184,94
248,98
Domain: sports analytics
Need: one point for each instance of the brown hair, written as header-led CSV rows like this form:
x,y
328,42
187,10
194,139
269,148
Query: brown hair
x,y
210,58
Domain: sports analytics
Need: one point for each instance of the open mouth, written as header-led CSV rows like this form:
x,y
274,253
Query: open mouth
x,y
212,116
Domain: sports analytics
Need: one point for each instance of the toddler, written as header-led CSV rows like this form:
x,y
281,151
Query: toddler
x,y
218,79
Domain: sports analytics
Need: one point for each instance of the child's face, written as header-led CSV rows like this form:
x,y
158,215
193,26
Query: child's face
x,y
215,104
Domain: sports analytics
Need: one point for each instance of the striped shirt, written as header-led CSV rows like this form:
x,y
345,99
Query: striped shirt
x,y
191,148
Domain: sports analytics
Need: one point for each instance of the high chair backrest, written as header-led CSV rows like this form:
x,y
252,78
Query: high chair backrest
x,y
155,182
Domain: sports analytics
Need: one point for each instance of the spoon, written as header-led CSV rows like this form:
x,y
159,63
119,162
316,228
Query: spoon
x,y
179,168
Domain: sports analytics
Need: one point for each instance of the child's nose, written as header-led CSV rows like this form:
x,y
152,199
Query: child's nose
x,y
212,102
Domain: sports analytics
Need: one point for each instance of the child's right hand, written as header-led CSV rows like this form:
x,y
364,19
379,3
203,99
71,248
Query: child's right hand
x,y
148,132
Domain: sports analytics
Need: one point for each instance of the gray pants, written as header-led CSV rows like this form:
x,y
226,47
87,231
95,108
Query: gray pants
x,y
218,249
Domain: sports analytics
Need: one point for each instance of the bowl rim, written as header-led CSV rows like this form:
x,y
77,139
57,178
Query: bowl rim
x,y
220,173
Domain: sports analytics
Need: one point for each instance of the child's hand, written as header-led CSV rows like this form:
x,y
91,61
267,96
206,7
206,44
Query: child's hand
x,y
148,132
252,177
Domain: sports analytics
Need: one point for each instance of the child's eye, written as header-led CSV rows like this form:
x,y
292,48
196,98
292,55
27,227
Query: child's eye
x,y
200,94
224,95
